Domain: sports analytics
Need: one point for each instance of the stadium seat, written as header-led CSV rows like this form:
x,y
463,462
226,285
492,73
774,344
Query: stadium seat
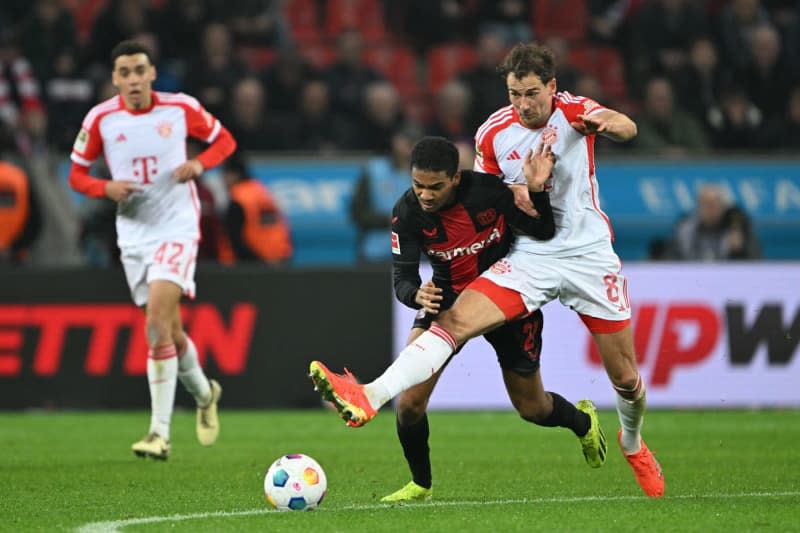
x,y
365,15
318,53
561,18
257,58
303,17
84,12
398,64
605,64
446,61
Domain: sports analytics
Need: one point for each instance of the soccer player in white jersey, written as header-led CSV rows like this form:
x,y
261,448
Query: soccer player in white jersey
x,y
142,135
578,266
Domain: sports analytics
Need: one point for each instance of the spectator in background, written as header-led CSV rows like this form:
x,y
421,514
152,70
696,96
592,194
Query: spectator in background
x,y
482,79
661,33
783,132
510,19
69,95
315,127
432,22
664,128
258,23
382,182
698,84
47,33
254,224
180,26
21,107
381,117
20,216
349,77
119,20
766,78
566,74
608,21
737,123
716,231
215,69
285,80
451,114
734,25
251,125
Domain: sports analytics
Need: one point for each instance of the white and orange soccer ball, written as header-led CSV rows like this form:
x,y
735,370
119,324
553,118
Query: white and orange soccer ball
x,y
295,482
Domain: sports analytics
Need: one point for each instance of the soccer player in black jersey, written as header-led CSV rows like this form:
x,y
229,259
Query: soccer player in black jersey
x,y
463,220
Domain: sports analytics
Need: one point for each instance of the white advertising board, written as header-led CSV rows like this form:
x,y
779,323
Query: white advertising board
x,y
707,336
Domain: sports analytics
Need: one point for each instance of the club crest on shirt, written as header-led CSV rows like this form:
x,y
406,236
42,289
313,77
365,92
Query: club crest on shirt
x,y
501,267
81,140
550,135
486,217
164,128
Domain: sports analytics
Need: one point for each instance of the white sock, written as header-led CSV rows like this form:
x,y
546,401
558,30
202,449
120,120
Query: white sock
x,y
417,362
630,410
191,374
162,376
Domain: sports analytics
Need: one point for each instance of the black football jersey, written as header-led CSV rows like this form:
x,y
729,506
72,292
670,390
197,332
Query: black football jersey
x,y
462,240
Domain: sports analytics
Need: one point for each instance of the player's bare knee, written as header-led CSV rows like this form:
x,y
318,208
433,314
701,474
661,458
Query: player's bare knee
x,y
157,329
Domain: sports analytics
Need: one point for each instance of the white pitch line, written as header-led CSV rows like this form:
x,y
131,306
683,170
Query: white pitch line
x,y
113,526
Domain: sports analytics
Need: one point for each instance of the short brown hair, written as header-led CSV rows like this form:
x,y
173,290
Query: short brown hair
x,y
526,59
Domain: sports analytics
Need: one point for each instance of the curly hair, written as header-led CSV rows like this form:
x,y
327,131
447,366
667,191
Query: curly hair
x,y
435,154
525,59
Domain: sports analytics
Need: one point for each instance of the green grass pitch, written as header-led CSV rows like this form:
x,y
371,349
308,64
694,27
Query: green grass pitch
x,y
725,471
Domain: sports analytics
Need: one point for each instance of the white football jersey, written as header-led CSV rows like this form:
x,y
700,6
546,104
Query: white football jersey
x,y
500,146
146,147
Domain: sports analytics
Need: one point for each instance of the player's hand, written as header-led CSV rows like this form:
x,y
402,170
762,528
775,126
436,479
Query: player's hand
x,y
522,199
119,190
429,296
538,166
590,125
188,171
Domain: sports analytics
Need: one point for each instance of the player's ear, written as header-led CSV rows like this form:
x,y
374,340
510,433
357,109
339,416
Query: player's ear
x,y
552,86
457,177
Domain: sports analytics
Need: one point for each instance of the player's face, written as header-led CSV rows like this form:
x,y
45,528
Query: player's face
x,y
133,77
434,190
532,99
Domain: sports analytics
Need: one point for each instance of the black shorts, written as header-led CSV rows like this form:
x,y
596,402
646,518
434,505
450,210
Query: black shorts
x,y
518,344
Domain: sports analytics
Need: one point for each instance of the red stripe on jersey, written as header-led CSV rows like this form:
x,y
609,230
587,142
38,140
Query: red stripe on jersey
x,y
603,325
496,119
589,140
103,108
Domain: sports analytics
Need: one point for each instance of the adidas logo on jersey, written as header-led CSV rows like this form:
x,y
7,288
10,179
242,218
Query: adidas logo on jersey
x,y
121,137
514,155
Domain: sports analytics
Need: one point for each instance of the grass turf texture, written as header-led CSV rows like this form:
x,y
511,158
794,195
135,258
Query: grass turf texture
x,y
725,471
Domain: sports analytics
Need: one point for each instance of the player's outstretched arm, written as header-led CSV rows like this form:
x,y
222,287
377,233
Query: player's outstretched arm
x,y
608,123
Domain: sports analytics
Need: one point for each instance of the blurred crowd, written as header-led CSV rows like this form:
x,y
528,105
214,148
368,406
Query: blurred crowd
x,y
341,76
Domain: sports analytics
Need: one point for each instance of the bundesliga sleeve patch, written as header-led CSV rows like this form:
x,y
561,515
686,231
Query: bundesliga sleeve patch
x,y
395,243
81,141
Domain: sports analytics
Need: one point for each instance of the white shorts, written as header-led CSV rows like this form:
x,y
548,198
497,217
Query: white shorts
x,y
173,260
590,284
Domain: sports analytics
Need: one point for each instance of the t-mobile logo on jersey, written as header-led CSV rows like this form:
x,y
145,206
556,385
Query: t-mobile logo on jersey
x,y
475,247
145,167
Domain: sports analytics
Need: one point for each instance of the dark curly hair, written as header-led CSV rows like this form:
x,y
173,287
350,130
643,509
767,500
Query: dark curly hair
x,y
435,154
526,59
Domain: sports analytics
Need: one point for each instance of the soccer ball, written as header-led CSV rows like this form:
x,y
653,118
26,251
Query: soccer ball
x,y
295,482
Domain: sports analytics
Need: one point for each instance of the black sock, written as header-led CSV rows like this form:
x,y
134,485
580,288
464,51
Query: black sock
x,y
414,439
566,415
